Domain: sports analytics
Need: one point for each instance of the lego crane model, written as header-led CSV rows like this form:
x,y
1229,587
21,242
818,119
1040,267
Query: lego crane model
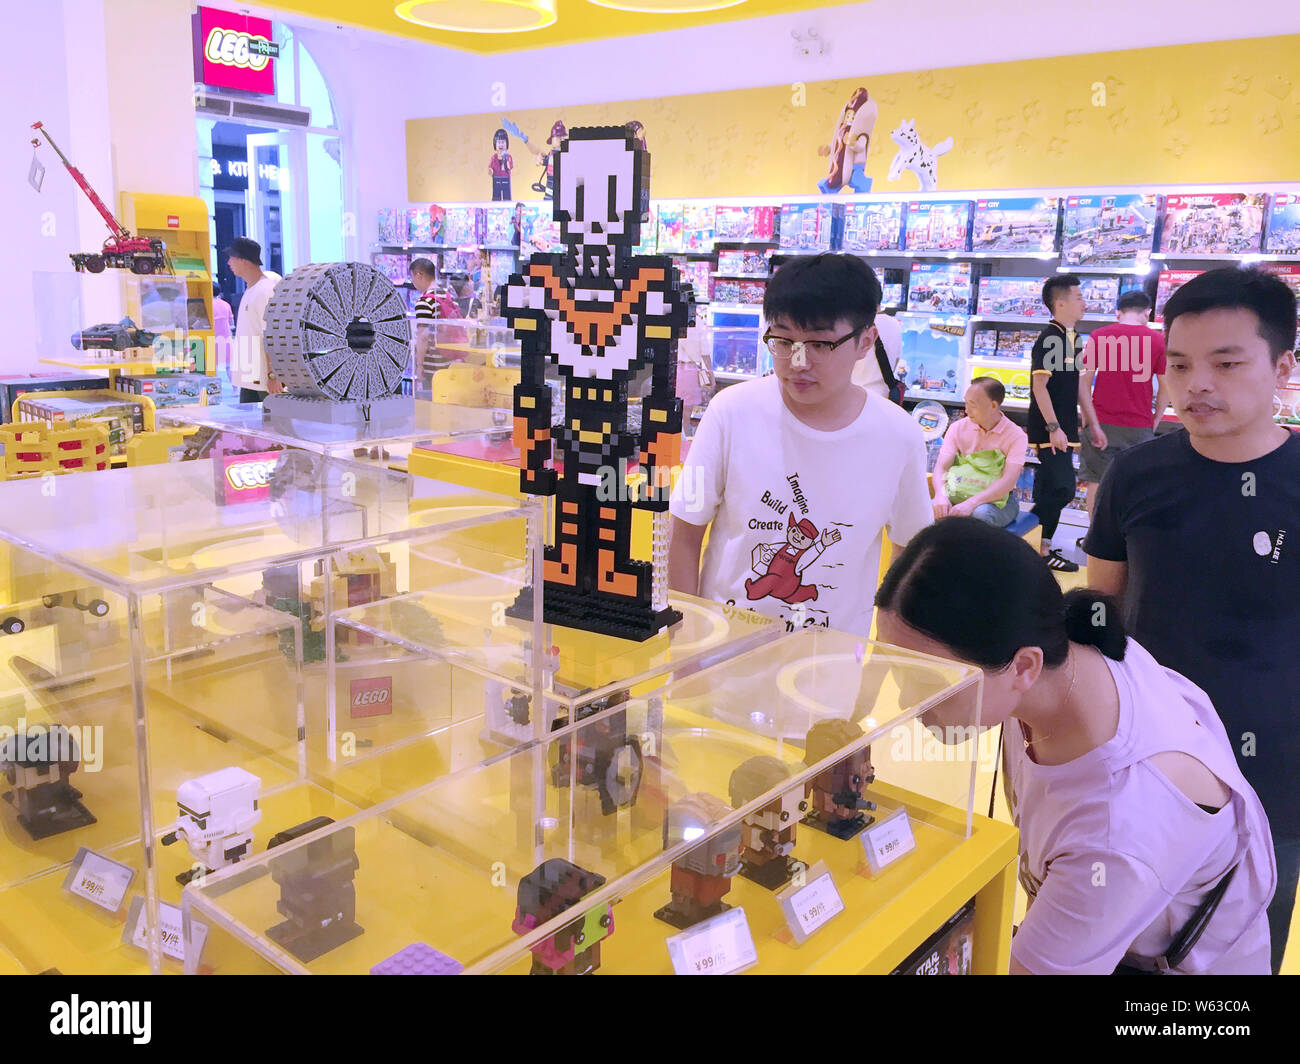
x,y
121,250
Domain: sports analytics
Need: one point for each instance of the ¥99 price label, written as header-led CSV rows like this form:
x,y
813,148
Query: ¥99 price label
x,y
718,946
810,907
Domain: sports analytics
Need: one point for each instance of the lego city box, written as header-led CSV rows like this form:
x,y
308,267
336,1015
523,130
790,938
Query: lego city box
x,y
1024,223
938,225
1212,223
1020,297
1109,229
737,224
940,287
811,227
1284,225
873,226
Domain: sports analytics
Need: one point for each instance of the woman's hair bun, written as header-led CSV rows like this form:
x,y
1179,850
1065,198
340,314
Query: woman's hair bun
x,y
1095,620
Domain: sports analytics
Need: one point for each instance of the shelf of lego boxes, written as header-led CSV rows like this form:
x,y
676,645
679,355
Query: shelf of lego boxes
x,y
166,643
723,823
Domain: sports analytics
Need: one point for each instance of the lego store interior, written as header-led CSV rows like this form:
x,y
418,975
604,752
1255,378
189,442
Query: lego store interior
x,y
355,355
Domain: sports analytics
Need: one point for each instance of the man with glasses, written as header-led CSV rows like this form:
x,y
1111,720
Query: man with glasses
x,y
796,476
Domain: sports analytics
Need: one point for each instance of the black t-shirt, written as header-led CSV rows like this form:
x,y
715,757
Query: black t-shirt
x,y
1213,553
1050,356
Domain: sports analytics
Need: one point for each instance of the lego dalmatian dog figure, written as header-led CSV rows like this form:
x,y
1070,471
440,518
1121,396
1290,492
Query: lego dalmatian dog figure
x,y
216,817
600,315
915,156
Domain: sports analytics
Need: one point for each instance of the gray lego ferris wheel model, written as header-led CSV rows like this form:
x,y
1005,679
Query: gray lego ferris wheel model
x,y
337,336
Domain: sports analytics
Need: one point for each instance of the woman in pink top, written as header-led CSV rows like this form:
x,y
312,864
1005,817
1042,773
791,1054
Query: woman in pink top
x,y
1132,811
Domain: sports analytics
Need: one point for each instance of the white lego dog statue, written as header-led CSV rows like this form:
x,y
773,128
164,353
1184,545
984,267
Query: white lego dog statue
x,y
915,156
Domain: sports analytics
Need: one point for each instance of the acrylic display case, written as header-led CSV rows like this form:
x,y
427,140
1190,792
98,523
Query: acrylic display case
x,y
594,847
170,626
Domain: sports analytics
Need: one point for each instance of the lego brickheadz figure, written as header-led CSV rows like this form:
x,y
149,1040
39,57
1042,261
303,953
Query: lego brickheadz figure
x,y
548,890
769,833
835,802
600,315
216,815
702,878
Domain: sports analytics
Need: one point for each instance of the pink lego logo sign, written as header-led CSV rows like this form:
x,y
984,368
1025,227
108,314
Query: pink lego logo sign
x,y
236,51
247,477
371,698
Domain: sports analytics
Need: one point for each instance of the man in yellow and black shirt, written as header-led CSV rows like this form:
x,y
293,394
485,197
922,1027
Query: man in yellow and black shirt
x,y
1053,425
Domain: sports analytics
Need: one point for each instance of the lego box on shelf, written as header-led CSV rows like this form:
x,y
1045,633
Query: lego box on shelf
x,y
727,290
697,227
892,293
949,951
463,227
938,225
811,226
1109,230
1213,223
1016,343
1100,295
11,388
1288,272
1015,380
984,344
671,228
538,229
737,262
1017,224
940,287
744,223
172,389
500,229
696,273
1014,296
873,226
394,226
932,355
426,225
1169,282
395,266
122,418
1284,225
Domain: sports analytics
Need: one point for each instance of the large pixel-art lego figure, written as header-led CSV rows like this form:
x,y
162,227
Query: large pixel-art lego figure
x,y
600,314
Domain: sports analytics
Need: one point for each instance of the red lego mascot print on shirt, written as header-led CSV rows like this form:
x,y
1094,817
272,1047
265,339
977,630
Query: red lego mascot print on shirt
x,y
781,565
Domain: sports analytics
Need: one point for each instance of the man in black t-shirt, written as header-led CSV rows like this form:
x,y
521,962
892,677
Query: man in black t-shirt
x,y
1053,424
1198,534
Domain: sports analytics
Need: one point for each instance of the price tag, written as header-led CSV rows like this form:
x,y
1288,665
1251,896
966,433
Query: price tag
x,y
169,919
811,906
720,945
99,879
888,840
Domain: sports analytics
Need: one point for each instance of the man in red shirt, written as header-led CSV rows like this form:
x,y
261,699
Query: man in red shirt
x,y
1115,388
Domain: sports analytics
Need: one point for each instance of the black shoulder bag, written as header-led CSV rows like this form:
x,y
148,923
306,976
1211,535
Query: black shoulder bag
x,y
1187,937
887,372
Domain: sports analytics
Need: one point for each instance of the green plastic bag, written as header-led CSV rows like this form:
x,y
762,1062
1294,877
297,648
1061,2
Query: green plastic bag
x,y
972,473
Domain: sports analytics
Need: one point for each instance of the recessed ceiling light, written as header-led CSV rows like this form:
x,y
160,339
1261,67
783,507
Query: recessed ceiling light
x,y
479,16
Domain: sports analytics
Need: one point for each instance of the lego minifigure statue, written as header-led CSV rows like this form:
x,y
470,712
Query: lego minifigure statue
x,y
216,816
548,890
500,165
601,315
608,759
768,834
38,763
701,879
316,890
835,801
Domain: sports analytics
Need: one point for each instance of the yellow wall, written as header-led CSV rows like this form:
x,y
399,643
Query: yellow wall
x,y
1221,112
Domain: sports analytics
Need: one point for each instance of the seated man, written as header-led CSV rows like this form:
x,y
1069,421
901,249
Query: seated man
x,y
981,459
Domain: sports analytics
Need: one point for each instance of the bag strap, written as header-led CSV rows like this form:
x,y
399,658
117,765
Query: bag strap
x,y
1187,938
886,370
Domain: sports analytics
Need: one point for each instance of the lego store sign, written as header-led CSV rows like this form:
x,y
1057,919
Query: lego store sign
x,y
372,697
235,51
246,477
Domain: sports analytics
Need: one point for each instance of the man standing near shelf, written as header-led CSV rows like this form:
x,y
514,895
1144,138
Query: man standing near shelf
x,y
249,371
1198,534
1118,364
1054,410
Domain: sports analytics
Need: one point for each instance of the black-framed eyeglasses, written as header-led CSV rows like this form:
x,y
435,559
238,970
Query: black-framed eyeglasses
x,y
785,350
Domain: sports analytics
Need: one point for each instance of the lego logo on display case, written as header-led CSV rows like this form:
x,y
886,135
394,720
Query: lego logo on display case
x,y
235,51
371,698
246,477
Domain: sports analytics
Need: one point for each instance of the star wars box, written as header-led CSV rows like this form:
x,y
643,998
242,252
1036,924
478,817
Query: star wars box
x,y
1019,224
394,226
1168,283
938,225
948,951
172,389
1284,225
940,287
426,224
811,226
463,227
734,224
1109,230
1020,297
1213,223
873,226
499,229
395,266
11,388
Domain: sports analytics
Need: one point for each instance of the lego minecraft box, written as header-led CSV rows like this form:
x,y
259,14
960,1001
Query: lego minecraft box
x,y
1212,223
1284,225
1109,230
811,226
1020,297
1024,224
873,227
734,224
938,225
940,287
1168,283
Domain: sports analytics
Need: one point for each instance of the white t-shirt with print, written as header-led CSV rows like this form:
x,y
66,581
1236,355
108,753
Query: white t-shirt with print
x,y
798,513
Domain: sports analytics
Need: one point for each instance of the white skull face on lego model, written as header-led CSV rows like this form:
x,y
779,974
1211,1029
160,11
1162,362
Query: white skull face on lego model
x,y
597,195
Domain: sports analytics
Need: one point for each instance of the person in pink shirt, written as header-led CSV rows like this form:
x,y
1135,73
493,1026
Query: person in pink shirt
x,y
981,459
1142,846
223,327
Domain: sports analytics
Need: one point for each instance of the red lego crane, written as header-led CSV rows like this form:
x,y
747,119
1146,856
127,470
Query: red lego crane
x,y
121,250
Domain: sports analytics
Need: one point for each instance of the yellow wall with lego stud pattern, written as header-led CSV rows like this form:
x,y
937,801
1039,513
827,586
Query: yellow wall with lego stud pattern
x,y
1220,112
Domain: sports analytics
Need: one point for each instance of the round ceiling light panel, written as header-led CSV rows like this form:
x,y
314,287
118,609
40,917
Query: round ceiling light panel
x,y
480,16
